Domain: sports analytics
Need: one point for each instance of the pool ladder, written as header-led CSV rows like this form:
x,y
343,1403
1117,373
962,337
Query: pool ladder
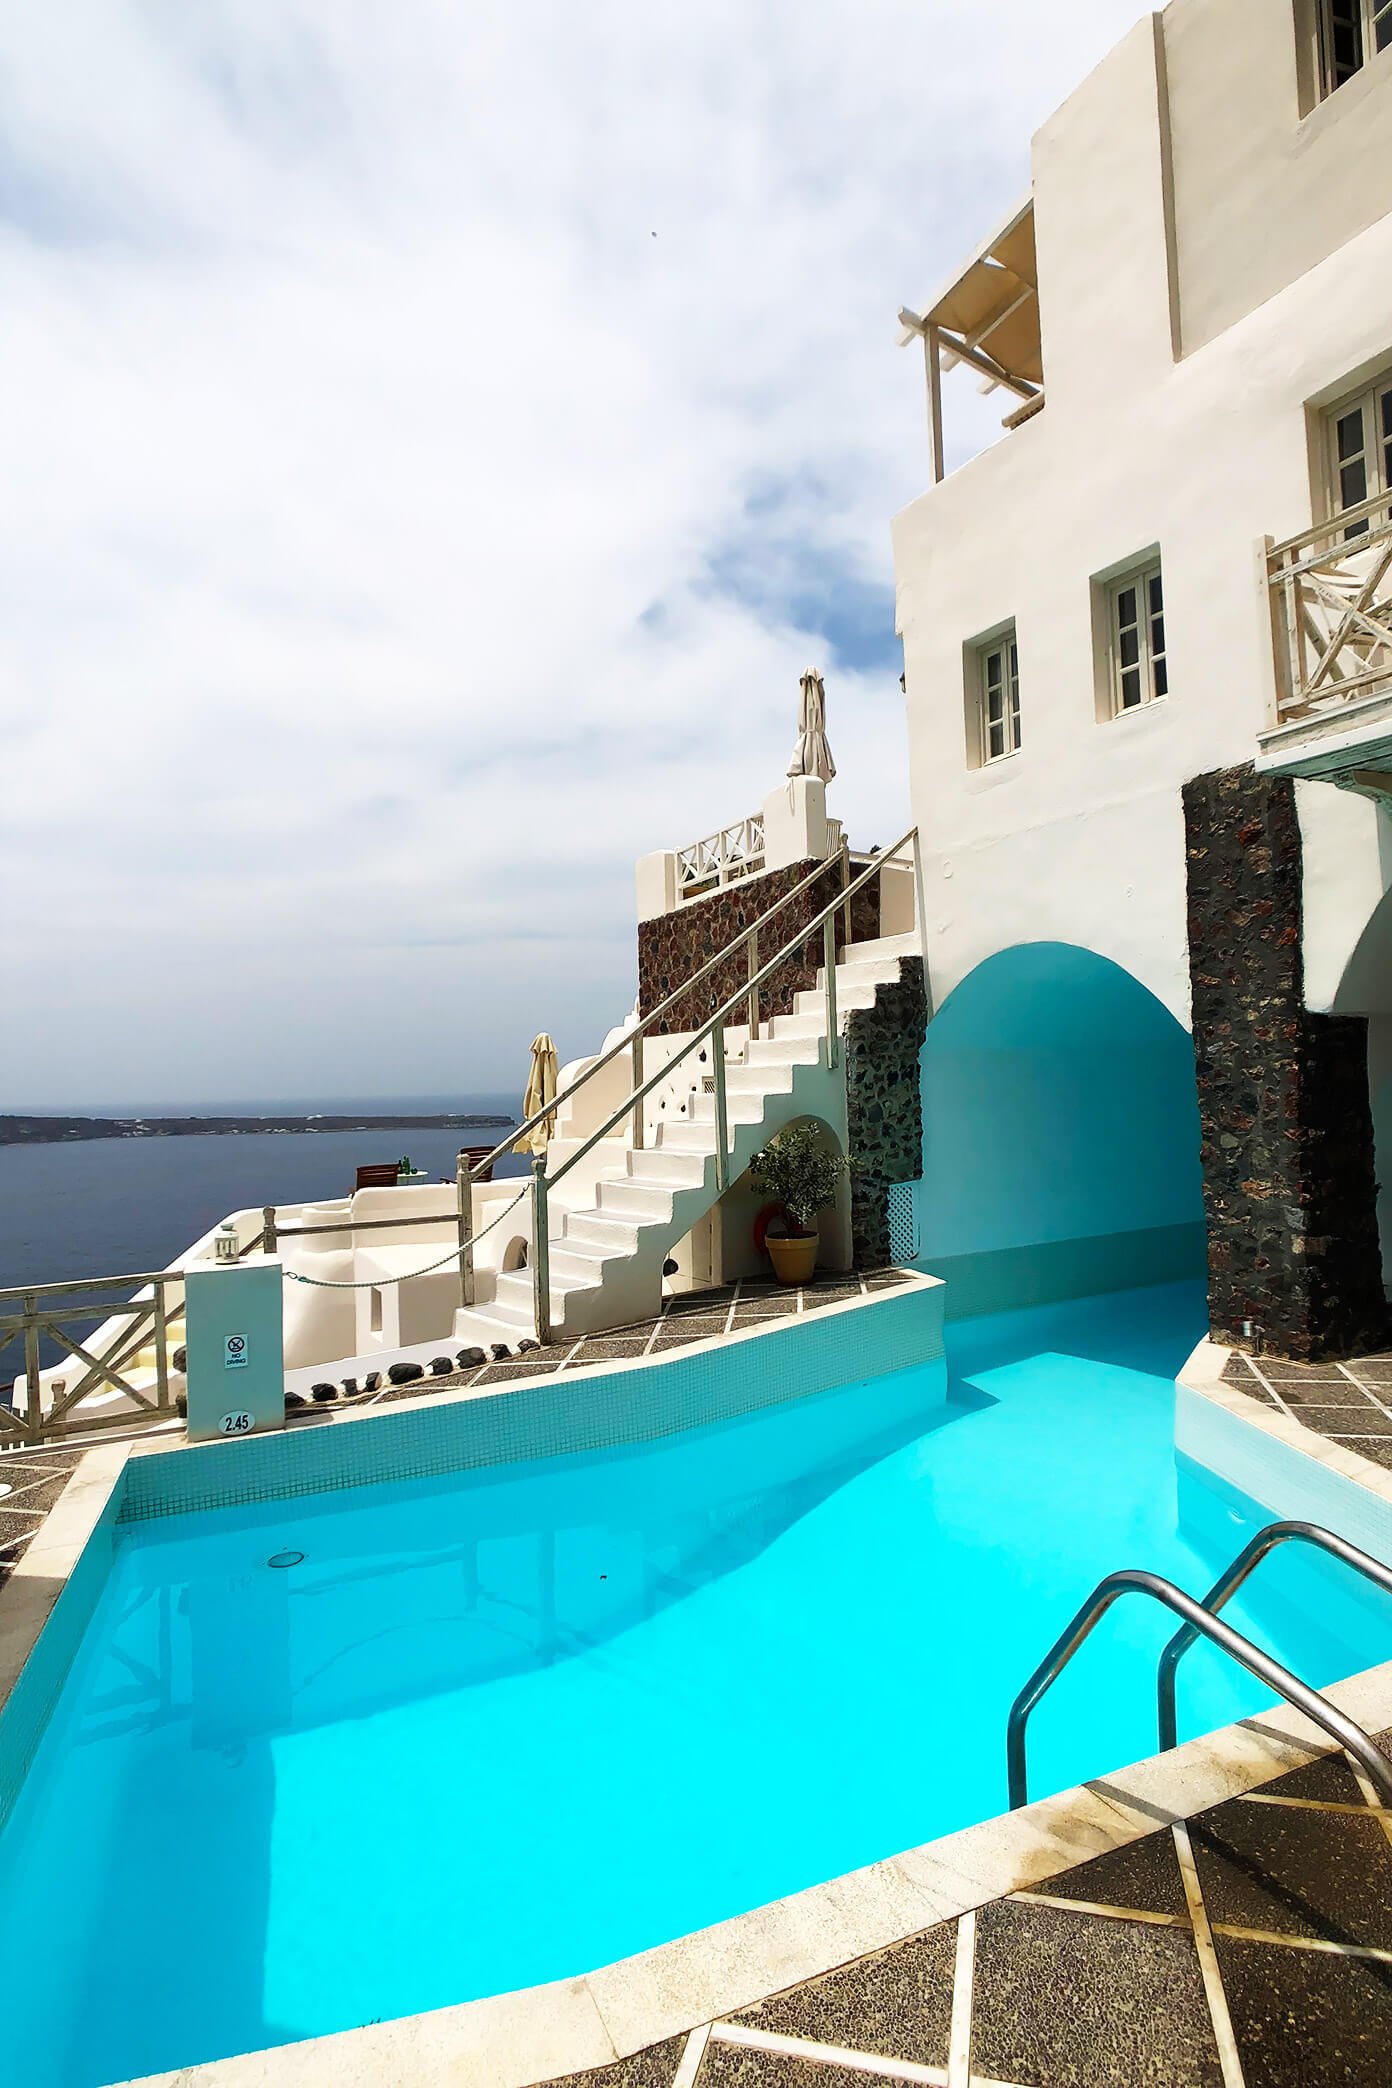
x,y
1201,1620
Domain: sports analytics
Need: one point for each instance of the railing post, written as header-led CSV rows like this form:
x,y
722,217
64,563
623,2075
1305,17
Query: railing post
x,y
161,1347
636,1136
464,1196
829,971
845,880
753,974
34,1415
722,1118
541,1251
268,1229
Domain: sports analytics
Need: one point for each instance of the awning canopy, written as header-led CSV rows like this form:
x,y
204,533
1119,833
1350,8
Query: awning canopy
x,y
992,305
987,317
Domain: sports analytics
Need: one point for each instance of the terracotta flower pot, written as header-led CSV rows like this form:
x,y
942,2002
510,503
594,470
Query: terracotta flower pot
x,y
793,1259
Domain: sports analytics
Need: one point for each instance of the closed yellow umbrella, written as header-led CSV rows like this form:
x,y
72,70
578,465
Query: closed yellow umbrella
x,y
541,1089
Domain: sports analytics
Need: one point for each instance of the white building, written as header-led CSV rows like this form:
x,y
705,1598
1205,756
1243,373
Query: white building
x,y
1191,320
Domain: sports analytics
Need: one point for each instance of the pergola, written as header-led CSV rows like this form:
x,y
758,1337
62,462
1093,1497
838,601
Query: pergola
x,y
988,318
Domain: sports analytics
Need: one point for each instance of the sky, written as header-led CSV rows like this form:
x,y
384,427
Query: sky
x,y
436,438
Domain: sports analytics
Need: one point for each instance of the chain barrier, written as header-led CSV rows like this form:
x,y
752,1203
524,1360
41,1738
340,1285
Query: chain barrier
x,y
385,1282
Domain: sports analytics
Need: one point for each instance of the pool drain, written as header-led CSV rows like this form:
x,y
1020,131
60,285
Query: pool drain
x,y
285,1558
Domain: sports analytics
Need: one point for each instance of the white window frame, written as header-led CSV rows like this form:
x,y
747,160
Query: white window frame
x,y
1138,674
1371,20
1373,402
997,663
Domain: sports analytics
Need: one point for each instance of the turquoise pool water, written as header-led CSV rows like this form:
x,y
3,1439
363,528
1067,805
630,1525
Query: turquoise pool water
x,y
511,1726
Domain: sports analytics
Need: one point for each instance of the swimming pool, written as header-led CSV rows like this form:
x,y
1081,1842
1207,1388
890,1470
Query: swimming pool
x,y
512,1725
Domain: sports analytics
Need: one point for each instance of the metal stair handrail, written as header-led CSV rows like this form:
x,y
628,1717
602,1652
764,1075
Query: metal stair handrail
x,y
825,921
1133,1581
1228,1583
714,1028
631,1039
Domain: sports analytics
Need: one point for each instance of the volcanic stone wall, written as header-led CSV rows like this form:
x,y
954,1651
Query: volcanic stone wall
x,y
677,944
1289,1190
884,1108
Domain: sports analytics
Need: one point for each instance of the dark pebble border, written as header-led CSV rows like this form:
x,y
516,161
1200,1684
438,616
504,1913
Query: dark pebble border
x,y
693,1316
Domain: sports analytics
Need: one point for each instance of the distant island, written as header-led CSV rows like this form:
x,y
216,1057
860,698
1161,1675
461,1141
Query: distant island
x,y
49,1130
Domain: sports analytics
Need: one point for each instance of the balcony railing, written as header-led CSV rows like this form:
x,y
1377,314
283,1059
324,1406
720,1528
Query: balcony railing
x,y
718,859
1331,597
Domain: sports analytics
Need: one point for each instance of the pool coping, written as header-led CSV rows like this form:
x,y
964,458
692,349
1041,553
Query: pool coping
x,y
1202,1373
46,1565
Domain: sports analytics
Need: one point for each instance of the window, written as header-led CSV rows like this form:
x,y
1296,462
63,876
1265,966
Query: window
x,y
1139,666
1350,33
1360,448
998,673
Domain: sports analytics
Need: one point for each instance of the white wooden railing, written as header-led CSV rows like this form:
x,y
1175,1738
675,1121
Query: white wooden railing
x,y
720,858
115,1377
1331,596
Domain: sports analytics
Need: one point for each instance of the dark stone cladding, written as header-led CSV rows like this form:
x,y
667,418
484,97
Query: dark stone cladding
x,y
1289,1189
884,1107
677,944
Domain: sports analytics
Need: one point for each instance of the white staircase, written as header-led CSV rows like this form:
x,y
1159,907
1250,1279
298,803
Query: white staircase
x,y
608,1247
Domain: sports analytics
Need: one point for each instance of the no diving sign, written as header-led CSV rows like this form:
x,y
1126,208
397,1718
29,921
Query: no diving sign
x,y
234,1352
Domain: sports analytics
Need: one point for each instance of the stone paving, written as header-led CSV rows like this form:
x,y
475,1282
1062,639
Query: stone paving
x,y
1250,1947
733,1308
30,1483
1349,1403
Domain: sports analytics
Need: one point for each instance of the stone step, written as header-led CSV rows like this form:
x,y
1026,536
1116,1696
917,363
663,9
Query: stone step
x,y
812,999
605,1228
780,1050
740,1108
881,949
513,1299
638,1203
761,1077
686,1136
666,1166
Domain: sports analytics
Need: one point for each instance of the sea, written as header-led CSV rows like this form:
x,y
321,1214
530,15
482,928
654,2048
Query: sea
x,y
118,1206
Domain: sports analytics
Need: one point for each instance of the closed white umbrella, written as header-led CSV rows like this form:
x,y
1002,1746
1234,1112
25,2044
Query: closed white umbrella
x,y
541,1089
812,755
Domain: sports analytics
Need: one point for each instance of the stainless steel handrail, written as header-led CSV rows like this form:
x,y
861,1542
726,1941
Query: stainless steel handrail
x,y
1132,1581
1228,1583
632,1039
724,1012
714,1028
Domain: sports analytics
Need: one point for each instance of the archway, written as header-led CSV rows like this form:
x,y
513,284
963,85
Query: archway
x,y
733,1248
1365,993
1061,1134
1365,987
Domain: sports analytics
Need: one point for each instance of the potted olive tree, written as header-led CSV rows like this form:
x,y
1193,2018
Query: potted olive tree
x,y
796,1169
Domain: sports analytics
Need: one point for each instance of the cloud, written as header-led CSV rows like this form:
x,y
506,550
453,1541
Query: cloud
x,y
436,438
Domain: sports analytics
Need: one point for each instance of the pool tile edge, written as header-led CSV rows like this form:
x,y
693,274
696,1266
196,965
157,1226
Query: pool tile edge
x,y
46,1602
1202,1375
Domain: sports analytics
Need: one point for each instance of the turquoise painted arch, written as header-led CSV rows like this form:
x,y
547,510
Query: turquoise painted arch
x,y
1060,1131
